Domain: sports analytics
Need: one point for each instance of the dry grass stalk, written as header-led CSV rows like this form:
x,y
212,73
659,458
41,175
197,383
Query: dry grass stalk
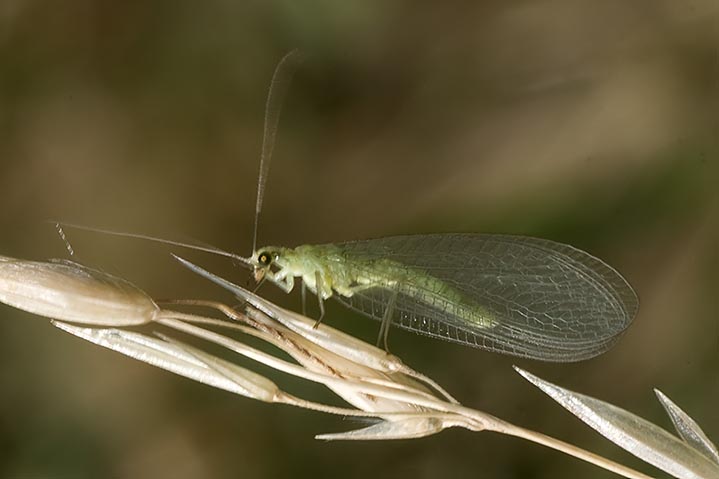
x,y
405,403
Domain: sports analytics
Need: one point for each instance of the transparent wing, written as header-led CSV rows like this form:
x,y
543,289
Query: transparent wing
x,y
543,300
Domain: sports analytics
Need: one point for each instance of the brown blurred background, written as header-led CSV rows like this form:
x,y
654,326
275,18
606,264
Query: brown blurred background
x,y
590,123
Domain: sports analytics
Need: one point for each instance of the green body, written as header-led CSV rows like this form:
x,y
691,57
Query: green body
x,y
340,272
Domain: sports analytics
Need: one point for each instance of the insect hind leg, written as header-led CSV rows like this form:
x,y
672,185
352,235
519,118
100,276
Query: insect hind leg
x,y
387,321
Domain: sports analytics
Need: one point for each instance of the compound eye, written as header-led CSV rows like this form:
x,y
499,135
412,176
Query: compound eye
x,y
264,259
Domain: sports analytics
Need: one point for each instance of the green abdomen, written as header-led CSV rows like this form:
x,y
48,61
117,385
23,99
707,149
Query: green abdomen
x,y
418,286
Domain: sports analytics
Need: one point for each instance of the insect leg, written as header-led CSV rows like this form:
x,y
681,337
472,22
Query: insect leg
x,y
349,291
287,283
283,281
259,283
387,321
319,289
304,298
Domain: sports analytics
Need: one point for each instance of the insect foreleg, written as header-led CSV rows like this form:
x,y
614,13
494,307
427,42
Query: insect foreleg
x,y
284,281
259,283
289,282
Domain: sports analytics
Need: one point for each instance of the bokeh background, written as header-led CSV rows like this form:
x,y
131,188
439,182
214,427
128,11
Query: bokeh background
x,y
590,123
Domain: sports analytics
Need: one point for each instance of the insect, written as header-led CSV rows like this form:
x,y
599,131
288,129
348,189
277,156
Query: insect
x,y
522,296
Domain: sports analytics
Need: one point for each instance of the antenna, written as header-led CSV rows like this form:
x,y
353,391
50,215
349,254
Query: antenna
x,y
207,249
279,85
